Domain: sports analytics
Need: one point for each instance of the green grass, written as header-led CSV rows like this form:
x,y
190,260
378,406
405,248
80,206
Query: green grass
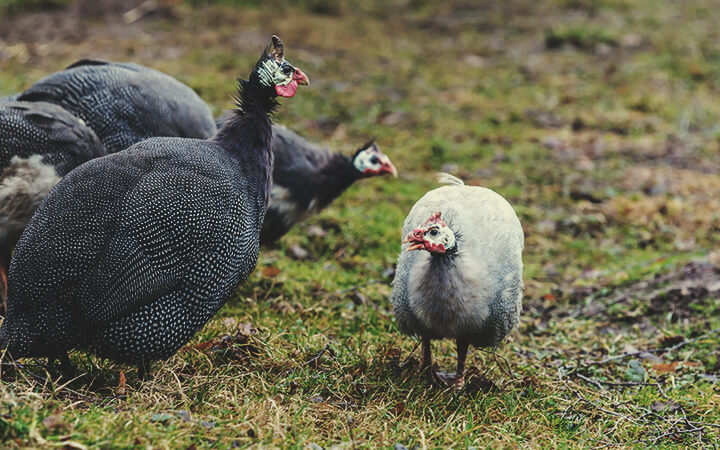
x,y
606,144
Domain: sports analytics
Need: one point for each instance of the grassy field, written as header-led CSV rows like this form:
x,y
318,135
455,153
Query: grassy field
x,y
597,119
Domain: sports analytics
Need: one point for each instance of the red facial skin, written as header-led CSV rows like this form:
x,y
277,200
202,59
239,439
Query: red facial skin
x,y
290,89
417,236
386,167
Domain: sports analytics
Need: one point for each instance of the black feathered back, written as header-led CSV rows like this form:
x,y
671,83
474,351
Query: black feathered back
x,y
40,128
125,103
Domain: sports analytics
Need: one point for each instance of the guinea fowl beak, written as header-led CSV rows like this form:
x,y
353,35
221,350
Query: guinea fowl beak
x,y
388,167
300,77
416,239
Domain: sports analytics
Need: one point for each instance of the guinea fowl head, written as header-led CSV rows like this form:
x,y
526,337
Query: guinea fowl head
x,y
434,236
370,161
272,71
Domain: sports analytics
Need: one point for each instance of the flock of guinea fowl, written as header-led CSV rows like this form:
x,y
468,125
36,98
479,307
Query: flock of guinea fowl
x,y
128,217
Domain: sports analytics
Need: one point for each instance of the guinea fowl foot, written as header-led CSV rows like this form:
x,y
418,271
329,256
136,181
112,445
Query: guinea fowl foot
x,y
459,382
433,377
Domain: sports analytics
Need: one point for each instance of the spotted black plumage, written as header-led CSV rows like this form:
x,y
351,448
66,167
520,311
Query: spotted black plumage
x,y
39,143
125,103
132,253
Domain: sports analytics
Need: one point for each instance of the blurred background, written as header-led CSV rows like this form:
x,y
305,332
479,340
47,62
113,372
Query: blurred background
x,y
597,119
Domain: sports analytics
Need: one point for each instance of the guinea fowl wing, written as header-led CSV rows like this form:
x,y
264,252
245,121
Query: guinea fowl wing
x,y
29,128
125,103
150,236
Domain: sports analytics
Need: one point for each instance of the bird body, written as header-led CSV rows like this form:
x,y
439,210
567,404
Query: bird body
x,y
178,219
132,253
307,178
467,284
39,143
125,103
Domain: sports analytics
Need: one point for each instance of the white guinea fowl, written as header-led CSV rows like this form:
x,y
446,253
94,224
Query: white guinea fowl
x,y
459,275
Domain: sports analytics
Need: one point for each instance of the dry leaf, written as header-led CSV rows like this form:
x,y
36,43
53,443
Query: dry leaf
x,y
665,368
271,271
122,383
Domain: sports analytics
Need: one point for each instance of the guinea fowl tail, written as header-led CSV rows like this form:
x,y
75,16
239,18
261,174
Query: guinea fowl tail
x,y
446,178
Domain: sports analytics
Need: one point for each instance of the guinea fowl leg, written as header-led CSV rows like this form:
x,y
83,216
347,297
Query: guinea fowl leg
x,y
143,371
462,349
426,363
3,283
66,368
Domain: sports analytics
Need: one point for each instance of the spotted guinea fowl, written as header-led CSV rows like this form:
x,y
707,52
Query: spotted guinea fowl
x,y
459,274
307,178
133,253
125,103
39,143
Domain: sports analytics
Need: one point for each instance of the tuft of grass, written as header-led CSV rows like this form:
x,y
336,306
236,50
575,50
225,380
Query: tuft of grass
x,y
610,159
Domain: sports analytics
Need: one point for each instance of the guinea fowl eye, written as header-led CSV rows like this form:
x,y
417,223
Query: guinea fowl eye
x,y
374,160
287,70
434,232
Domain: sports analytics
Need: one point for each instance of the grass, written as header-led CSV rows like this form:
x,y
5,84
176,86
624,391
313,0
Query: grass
x,y
606,144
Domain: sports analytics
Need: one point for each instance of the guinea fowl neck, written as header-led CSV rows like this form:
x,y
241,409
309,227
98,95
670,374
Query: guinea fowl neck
x,y
334,177
247,133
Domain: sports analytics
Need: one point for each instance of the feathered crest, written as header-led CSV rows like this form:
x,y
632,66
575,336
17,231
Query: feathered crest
x,y
446,178
365,146
278,49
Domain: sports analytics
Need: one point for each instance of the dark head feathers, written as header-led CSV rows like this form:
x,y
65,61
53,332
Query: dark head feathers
x,y
365,146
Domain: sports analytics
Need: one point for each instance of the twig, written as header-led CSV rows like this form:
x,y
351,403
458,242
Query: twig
x,y
316,357
311,360
589,380
407,360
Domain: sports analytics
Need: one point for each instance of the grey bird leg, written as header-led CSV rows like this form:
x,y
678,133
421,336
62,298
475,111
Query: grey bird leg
x,y
426,355
426,363
462,349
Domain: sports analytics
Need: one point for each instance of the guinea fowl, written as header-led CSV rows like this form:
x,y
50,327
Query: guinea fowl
x,y
125,103
39,143
133,253
307,178
460,272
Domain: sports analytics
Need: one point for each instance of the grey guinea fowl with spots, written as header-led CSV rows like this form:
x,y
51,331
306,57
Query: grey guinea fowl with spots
x,y
125,103
133,253
459,274
39,143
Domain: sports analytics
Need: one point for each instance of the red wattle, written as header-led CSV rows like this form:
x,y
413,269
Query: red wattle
x,y
288,90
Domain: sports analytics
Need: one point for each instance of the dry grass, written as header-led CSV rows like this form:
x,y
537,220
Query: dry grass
x,y
606,144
